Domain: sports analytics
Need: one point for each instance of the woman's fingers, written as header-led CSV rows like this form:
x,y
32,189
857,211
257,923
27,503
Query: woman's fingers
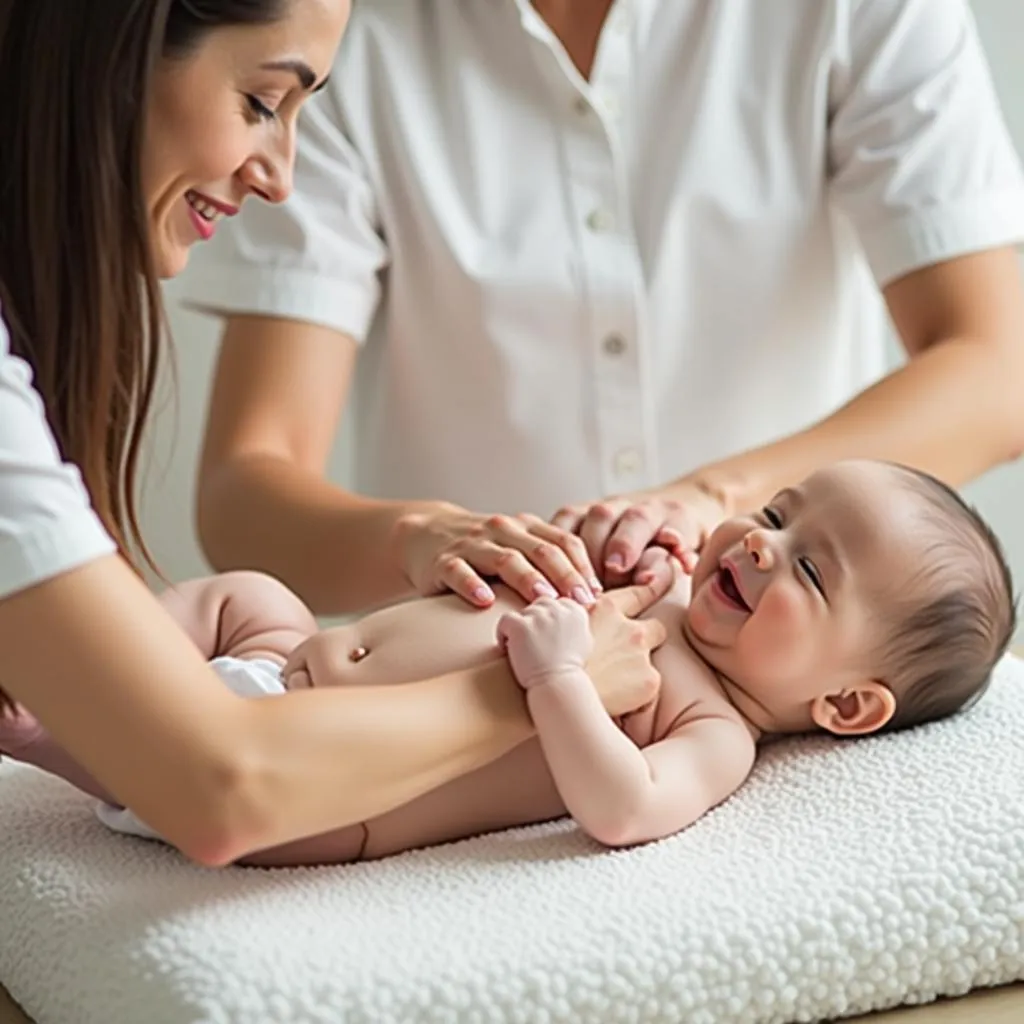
x,y
532,557
456,574
632,532
461,552
616,531
577,569
636,599
568,518
542,571
595,529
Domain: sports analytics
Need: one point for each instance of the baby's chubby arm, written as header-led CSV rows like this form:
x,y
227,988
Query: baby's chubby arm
x,y
616,792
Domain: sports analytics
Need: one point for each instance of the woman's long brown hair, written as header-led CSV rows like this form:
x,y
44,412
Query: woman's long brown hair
x,y
78,288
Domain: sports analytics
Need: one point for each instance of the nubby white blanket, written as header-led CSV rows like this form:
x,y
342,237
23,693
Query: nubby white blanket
x,y
843,878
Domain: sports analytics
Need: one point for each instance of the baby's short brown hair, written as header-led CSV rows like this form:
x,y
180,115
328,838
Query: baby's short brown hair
x,y
955,619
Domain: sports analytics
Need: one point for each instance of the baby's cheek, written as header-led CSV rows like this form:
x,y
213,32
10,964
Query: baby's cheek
x,y
781,610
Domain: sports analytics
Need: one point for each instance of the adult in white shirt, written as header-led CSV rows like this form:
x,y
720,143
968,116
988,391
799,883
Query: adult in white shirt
x,y
126,130
630,262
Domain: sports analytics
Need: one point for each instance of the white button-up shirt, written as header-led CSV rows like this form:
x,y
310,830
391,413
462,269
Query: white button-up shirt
x,y
568,289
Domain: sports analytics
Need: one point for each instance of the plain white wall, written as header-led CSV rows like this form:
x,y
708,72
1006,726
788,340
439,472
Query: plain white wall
x,y
168,485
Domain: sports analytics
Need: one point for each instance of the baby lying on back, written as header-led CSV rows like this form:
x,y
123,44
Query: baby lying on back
x,y
868,598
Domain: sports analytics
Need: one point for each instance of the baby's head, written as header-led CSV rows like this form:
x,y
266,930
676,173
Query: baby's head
x,y
869,597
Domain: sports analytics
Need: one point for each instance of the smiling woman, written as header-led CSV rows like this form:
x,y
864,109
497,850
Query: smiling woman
x,y
128,129
152,163
221,122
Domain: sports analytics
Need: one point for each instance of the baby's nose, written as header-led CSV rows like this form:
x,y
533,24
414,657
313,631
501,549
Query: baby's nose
x,y
759,548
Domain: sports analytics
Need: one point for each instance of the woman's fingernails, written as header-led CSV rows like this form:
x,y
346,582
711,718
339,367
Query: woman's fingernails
x,y
544,590
483,594
582,596
595,585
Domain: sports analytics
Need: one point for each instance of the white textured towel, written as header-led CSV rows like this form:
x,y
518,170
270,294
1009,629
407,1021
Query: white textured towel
x,y
842,878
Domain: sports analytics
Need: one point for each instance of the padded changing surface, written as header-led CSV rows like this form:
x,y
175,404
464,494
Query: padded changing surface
x,y
842,878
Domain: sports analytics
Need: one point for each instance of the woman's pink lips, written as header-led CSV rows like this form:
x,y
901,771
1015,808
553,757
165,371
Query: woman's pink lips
x,y
202,226
228,209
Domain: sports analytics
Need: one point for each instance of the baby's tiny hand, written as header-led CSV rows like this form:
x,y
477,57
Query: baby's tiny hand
x,y
545,640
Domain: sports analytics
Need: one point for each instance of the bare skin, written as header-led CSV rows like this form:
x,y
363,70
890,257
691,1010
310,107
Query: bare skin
x,y
779,636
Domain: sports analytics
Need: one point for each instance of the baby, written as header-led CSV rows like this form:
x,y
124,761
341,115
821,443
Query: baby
x,y
868,598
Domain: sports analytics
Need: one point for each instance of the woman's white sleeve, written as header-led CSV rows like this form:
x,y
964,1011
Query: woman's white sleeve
x,y
47,525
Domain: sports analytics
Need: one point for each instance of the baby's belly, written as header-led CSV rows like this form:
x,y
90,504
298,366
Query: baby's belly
x,y
424,638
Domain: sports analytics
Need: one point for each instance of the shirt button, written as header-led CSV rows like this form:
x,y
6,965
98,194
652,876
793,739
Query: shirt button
x,y
581,105
600,220
614,345
627,461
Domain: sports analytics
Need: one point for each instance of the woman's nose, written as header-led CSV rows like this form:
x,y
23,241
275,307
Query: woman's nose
x,y
269,176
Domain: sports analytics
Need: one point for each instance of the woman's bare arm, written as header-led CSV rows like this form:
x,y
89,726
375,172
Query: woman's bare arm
x,y
279,391
131,699
128,695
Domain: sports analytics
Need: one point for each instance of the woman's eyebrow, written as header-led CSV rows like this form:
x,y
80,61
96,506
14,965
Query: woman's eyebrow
x,y
302,71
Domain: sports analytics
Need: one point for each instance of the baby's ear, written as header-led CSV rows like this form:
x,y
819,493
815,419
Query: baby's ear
x,y
855,711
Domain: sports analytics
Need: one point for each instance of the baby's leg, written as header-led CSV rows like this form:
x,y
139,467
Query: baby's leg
x,y
23,739
240,615
237,614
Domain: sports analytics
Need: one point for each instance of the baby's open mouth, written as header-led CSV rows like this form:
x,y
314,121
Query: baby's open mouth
x,y
727,584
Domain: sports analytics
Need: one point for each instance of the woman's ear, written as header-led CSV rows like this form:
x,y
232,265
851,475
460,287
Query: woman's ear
x,y
855,711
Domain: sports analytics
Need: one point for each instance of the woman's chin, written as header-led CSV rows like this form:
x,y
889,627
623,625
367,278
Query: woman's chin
x,y
170,259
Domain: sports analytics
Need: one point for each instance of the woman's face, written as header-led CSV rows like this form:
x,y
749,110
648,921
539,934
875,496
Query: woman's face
x,y
221,126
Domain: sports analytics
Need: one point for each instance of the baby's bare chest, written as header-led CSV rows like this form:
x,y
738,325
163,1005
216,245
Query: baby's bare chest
x,y
688,686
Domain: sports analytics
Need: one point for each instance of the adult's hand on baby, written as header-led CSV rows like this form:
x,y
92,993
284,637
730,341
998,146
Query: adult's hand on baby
x,y
620,664
452,549
653,562
616,531
546,641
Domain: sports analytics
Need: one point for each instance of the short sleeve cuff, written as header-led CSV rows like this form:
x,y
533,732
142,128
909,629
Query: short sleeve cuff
x,y
50,549
931,235
280,292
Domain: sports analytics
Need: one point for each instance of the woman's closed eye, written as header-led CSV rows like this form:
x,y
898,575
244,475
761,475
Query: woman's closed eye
x,y
258,108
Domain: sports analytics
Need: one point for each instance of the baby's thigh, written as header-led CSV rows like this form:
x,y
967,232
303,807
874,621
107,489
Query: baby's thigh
x,y
260,616
239,614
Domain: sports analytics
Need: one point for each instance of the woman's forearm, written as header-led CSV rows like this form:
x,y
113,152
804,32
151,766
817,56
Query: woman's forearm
x,y
947,412
334,548
132,701
953,410
353,753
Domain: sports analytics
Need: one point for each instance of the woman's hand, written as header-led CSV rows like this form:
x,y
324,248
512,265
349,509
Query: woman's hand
x,y
617,530
620,664
452,549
